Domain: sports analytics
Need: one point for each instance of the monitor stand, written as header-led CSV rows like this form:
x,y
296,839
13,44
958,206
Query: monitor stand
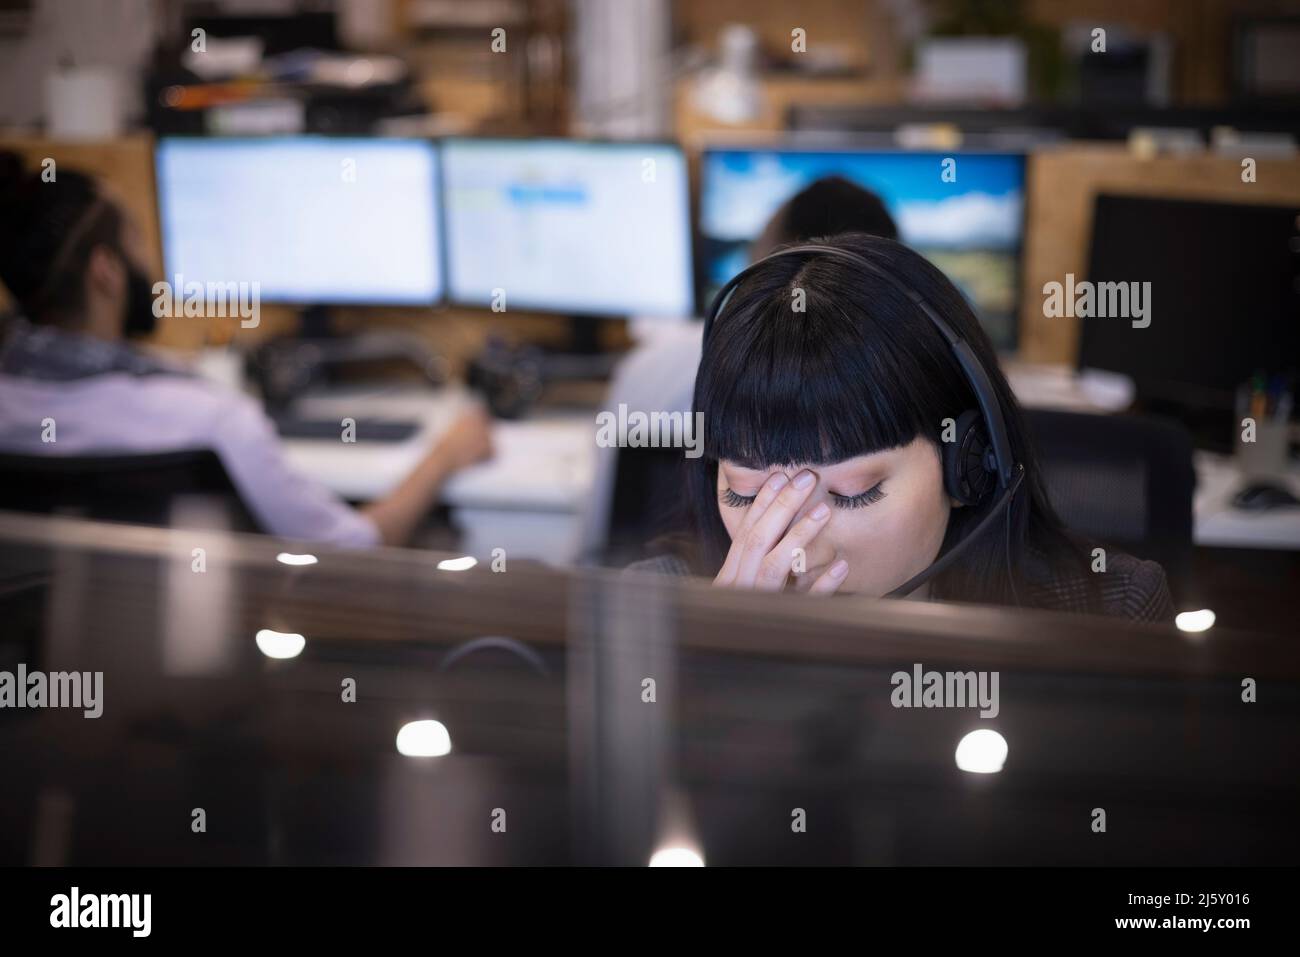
x,y
584,334
286,367
581,355
316,322
514,375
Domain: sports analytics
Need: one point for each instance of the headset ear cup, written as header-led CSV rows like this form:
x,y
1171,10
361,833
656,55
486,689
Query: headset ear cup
x,y
966,473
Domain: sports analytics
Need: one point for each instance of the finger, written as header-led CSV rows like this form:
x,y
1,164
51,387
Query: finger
x,y
776,566
766,495
831,579
767,531
762,501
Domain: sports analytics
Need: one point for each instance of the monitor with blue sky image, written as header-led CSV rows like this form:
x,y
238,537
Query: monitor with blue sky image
x,y
968,223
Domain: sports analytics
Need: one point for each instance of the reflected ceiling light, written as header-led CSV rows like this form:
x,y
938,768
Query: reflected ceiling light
x,y
289,558
280,644
676,857
982,752
1192,621
457,564
423,739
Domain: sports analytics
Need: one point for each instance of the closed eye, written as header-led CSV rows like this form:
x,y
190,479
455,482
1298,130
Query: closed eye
x,y
861,500
737,501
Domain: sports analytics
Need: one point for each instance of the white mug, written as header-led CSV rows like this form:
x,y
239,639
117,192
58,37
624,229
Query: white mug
x,y
83,103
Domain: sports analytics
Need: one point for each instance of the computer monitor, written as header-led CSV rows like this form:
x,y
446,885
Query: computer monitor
x,y
968,223
1224,296
312,220
571,227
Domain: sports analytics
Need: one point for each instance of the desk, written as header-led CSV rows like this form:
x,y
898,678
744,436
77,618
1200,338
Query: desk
x,y
1041,385
533,497
1218,479
764,702
526,499
1218,523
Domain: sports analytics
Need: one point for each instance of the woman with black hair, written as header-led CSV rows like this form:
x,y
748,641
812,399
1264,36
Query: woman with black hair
x,y
827,395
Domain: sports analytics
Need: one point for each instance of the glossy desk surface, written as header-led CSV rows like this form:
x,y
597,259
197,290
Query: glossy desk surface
x,y
595,717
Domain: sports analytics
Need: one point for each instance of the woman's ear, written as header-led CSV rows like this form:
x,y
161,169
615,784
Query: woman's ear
x,y
105,273
104,293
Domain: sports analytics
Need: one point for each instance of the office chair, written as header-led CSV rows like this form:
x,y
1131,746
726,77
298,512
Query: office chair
x,y
1125,481
646,501
152,489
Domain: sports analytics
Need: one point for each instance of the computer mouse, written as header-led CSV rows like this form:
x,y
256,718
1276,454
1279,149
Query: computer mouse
x,y
1261,496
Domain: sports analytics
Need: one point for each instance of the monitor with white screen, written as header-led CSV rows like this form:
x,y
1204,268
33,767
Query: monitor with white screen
x,y
312,220
571,227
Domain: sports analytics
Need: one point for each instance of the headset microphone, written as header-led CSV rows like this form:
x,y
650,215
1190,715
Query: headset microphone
x,y
951,555
978,460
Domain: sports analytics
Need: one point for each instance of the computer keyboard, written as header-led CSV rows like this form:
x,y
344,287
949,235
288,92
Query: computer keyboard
x,y
367,430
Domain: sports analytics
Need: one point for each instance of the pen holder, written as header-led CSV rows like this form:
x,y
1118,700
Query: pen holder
x,y
1266,457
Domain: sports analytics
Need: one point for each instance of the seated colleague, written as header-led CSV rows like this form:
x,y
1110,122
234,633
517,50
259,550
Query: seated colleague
x,y
823,429
70,257
829,206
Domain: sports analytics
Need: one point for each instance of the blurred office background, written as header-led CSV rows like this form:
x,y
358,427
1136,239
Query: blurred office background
x,y
1139,141
613,160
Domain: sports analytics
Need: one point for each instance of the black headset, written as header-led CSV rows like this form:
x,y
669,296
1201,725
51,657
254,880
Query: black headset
x,y
978,461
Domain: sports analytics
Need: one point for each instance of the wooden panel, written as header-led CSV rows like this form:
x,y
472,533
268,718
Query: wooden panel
x,y
855,29
126,164
865,32
779,93
1062,185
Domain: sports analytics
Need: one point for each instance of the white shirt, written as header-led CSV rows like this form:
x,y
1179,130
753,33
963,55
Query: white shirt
x,y
120,414
657,376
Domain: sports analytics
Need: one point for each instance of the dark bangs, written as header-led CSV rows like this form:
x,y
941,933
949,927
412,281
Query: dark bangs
x,y
779,387
861,369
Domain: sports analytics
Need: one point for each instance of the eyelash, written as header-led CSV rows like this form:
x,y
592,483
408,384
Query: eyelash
x,y
861,500
870,497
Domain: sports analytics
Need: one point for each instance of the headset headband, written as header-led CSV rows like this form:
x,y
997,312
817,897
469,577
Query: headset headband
x,y
974,370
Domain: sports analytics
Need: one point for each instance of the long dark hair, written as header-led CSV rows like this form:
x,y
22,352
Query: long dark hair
x,y
47,233
860,369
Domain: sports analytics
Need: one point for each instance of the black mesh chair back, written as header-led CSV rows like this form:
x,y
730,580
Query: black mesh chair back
x,y
155,489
